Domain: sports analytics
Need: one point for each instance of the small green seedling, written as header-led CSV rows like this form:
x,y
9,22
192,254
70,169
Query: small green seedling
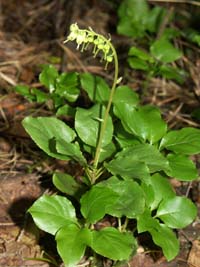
x,y
127,156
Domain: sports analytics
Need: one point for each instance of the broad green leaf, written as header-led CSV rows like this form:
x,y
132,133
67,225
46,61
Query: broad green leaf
x,y
39,95
164,51
72,242
25,91
155,18
128,168
139,53
67,86
107,152
137,161
144,122
66,183
145,222
124,95
162,190
138,64
132,18
148,192
172,73
161,234
185,141
96,87
123,137
130,201
95,202
181,168
167,240
111,243
88,123
48,77
70,150
66,110
177,212
44,131
50,213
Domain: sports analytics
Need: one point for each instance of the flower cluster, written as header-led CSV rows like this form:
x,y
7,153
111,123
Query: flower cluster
x,y
84,38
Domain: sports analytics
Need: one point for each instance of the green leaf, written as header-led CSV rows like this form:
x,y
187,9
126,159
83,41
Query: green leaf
x,y
39,95
172,73
66,183
130,201
71,243
177,212
44,130
164,51
141,54
166,239
50,213
96,87
161,234
128,168
25,91
95,202
185,141
144,122
70,150
137,161
132,18
67,86
107,152
124,138
48,77
138,64
66,110
124,95
88,123
181,168
111,243
162,190
155,18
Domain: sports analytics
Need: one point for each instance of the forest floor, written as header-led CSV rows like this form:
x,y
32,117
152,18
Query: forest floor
x,y
32,34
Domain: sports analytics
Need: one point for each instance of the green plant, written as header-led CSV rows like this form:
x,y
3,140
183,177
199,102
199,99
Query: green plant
x,y
138,20
127,155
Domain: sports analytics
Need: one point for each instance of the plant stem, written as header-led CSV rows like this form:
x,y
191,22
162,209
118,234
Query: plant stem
x,y
105,119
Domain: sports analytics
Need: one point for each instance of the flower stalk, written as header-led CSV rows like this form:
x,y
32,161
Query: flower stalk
x,y
84,38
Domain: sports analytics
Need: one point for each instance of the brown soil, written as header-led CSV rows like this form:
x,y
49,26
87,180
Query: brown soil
x,y
31,34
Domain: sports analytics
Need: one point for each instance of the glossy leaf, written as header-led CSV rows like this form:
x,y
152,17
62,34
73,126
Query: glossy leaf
x,y
71,150
144,122
50,213
138,160
67,86
94,203
96,87
72,242
48,77
66,183
177,212
25,91
162,190
88,123
130,201
164,51
184,141
181,168
107,152
167,240
44,130
66,110
161,234
111,243
124,95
